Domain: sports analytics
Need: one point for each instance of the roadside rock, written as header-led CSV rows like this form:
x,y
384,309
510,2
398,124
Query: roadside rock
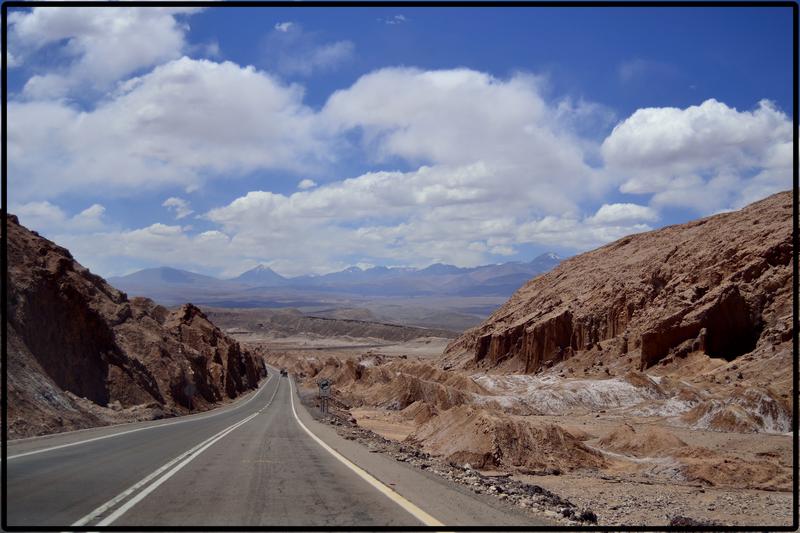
x,y
71,334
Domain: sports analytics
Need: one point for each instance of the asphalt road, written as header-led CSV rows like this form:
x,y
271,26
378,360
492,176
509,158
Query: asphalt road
x,y
261,461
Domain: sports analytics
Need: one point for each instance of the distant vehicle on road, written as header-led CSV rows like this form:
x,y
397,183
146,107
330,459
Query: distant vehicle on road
x,y
284,373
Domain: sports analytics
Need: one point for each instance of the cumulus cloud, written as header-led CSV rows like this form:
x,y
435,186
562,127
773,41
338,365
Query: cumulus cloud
x,y
119,252
101,45
706,157
575,233
88,220
39,215
611,213
178,206
47,217
158,244
489,163
434,214
454,117
173,126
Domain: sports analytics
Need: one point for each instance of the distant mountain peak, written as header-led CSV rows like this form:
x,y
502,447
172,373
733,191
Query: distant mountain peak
x,y
260,274
261,268
441,268
160,275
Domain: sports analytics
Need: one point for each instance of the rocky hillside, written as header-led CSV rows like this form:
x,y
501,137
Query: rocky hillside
x,y
80,353
720,286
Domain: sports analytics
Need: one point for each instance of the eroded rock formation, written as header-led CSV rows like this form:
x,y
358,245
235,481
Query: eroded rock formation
x,y
76,343
719,285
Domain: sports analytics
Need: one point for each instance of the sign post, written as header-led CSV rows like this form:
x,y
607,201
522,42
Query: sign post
x,y
324,394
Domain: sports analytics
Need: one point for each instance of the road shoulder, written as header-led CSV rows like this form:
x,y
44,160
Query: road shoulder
x,y
449,503
70,438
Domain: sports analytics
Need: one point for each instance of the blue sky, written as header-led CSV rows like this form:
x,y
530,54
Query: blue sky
x,y
310,139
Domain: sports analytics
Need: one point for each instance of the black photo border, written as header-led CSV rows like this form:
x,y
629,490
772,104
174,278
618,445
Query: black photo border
x,y
405,3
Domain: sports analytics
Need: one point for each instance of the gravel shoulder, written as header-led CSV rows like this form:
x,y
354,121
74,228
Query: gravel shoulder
x,y
456,496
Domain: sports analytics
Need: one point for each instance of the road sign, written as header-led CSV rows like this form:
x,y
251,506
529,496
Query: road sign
x,y
324,393
324,388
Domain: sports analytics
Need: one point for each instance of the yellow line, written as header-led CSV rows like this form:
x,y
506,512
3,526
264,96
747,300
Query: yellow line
x,y
415,511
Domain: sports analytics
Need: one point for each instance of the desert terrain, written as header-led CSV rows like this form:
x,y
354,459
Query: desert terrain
x,y
648,381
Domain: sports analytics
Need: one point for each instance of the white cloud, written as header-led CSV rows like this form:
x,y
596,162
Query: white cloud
x,y
176,125
113,252
46,217
295,52
611,213
639,69
90,218
495,165
12,60
396,19
39,215
457,117
330,55
577,234
435,214
707,157
102,45
324,57
179,206
213,49
503,250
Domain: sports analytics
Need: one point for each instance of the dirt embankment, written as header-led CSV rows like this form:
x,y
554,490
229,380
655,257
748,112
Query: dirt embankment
x,y
82,354
530,424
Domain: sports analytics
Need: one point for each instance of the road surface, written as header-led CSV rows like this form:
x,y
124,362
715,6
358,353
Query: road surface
x,y
261,461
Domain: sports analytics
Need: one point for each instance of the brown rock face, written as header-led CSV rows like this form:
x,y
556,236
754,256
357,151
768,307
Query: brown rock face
x,y
74,336
719,285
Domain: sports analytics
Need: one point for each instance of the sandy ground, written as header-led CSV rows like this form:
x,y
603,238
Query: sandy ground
x,y
627,502
628,496
385,424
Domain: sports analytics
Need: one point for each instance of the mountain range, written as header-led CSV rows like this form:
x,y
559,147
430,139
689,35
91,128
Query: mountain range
x,y
167,284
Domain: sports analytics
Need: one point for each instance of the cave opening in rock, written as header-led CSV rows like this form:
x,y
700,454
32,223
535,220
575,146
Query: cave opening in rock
x,y
732,328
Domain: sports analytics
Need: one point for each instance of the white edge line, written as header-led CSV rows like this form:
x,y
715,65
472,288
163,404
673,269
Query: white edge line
x,y
103,437
191,453
153,486
390,493
224,408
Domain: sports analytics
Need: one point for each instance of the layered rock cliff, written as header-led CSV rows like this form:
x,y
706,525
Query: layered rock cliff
x,y
80,353
719,285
